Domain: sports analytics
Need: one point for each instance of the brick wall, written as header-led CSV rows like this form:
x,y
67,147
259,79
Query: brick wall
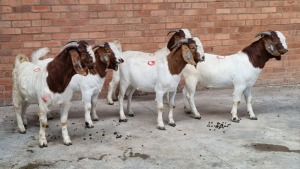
x,y
223,27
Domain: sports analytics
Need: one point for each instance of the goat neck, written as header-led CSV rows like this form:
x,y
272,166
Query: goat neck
x,y
60,72
100,65
176,63
257,53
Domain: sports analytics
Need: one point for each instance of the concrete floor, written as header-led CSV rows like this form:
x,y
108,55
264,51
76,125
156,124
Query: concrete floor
x,y
272,141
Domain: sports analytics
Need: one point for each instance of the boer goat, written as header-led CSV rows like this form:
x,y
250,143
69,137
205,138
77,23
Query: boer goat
x,y
158,73
239,70
46,85
108,56
179,33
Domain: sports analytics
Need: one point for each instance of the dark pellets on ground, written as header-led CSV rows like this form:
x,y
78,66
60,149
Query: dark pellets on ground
x,y
90,134
83,138
115,133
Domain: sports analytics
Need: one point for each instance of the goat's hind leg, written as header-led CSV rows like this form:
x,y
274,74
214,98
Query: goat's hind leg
x,y
94,106
160,107
43,125
248,99
236,101
87,111
123,88
23,114
129,100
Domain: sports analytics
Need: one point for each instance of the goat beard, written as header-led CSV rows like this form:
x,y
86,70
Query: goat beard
x,y
278,57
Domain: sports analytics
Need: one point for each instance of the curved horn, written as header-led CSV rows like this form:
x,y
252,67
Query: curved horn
x,y
263,33
99,45
179,42
70,44
175,30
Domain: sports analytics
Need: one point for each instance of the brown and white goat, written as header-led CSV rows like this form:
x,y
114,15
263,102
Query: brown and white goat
x,y
45,85
239,70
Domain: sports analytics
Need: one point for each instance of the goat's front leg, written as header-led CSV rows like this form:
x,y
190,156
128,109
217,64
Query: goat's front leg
x,y
190,89
171,106
236,101
111,95
160,107
64,111
94,106
129,100
43,125
86,97
24,118
187,107
123,88
18,110
248,99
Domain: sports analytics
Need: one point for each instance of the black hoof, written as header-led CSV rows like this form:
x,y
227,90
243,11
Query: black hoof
x,y
253,118
87,125
22,132
236,120
95,119
131,115
67,144
111,103
197,117
50,118
115,100
174,106
161,128
47,126
172,124
44,145
188,112
123,120
25,126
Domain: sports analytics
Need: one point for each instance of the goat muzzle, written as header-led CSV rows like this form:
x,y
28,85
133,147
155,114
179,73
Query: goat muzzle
x,y
91,66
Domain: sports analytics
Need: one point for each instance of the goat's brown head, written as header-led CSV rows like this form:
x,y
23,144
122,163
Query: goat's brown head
x,y
179,34
82,56
274,42
183,52
109,54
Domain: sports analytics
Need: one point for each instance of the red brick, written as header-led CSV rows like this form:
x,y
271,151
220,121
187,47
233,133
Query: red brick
x,y
11,31
58,36
41,23
87,2
133,33
230,17
32,30
50,15
268,9
52,43
5,24
5,9
30,2
39,37
106,14
19,9
31,16
222,11
12,16
32,44
50,29
96,35
61,8
41,9
21,23
199,5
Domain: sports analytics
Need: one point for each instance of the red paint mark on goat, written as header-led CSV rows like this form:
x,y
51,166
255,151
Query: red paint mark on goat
x,y
37,69
44,98
151,63
221,57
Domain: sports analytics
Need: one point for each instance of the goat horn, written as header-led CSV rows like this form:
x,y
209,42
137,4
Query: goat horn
x,y
175,30
99,45
70,44
179,42
263,33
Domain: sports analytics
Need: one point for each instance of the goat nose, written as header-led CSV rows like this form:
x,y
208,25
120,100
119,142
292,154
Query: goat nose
x,y
121,60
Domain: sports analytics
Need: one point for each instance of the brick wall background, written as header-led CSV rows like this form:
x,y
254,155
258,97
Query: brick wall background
x,y
224,27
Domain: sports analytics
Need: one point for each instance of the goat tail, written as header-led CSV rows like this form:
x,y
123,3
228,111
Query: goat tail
x,y
36,55
21,58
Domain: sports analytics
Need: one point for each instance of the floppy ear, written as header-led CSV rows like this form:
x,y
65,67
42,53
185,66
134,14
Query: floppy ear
x,y
76,62
270,47
187,55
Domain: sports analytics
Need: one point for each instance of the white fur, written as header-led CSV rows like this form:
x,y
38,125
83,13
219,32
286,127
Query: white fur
x,y
90,86
282,39
137,73
223,71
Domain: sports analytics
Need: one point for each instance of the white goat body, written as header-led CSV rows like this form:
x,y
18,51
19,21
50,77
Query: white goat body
x,y
226,71
90,86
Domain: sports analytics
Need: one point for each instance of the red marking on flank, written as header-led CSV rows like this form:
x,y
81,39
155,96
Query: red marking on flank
x,y
151,63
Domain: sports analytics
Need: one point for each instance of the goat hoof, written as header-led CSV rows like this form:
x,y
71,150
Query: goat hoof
x,y
43,145
115,99
174,106
131,115
95,119
50,118
253,118
25,126
122,120
172,124
68,144
111,103
87,125
22,132
197,117
236,120
47,126
161,128
188,112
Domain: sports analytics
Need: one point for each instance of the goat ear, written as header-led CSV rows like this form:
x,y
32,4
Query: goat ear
x,y
76,62
187,55
118,44
270,47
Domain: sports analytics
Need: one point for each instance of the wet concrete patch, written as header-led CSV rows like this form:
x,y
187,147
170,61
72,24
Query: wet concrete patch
x,y
91,158
36,165
273,147
129,153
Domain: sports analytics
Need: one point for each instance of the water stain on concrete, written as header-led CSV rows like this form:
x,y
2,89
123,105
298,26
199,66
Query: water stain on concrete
x,y
131,154
273,147
36,165
91,158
